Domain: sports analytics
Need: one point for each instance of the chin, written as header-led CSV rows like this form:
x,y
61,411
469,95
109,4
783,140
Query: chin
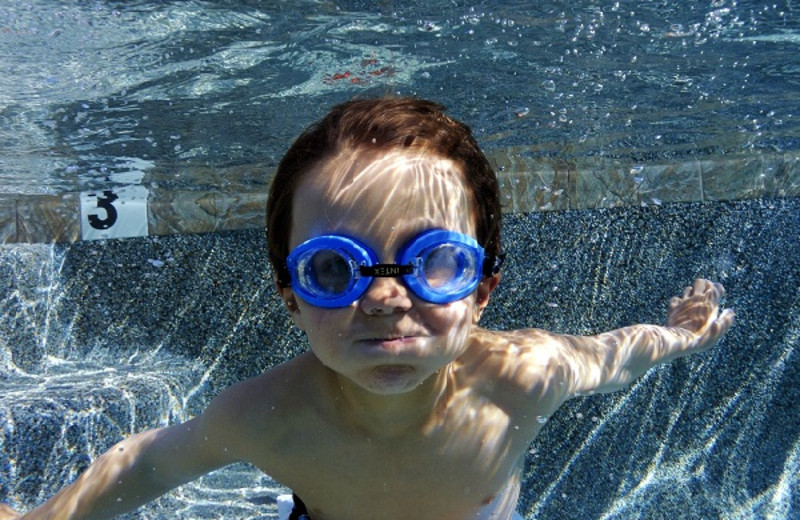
x,y
392,379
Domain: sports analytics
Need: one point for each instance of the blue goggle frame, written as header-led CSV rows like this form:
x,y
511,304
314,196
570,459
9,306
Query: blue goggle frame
x,y
438,266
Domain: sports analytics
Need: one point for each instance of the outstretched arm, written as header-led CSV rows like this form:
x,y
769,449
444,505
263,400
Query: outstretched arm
x,y
6,513
614,359
137,470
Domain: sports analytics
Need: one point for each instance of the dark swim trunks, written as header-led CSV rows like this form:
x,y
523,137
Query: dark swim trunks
x,y
299,511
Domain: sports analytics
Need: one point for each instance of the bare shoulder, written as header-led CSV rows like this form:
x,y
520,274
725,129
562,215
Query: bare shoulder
x,y
257,408
527,360
529,346
525,373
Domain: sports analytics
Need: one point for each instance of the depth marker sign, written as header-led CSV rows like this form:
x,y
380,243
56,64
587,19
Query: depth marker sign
x,y
117,213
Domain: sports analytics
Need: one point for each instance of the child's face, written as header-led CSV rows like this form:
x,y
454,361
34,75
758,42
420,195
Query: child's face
x,y
389,340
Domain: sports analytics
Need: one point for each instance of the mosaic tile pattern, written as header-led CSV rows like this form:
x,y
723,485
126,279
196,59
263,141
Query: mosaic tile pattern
x,y
527,184
8,219
40,218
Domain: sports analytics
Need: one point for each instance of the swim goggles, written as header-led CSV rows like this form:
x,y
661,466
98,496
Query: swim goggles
x,y
439,266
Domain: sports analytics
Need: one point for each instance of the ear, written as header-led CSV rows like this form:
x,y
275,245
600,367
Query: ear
x,y
290,301
485,289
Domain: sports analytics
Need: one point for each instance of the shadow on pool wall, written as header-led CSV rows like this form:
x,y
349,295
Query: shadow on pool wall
x,y
103,339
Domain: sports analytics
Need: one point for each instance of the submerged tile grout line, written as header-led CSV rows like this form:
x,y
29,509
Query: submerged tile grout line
x,y
527,184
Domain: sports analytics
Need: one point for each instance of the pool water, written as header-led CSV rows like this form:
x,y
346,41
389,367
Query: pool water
x,y
94,95
639,145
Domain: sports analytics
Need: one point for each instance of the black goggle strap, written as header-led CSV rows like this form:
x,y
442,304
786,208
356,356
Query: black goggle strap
x,y
386,270
377,270
284,277
493,264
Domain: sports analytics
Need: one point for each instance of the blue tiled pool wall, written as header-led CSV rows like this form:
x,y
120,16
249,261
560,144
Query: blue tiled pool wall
x,y
100,339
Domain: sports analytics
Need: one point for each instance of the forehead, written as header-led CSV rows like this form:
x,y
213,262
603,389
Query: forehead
x,y
385,195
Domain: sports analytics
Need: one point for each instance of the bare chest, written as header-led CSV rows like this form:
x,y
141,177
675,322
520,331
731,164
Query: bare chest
x,y
441,474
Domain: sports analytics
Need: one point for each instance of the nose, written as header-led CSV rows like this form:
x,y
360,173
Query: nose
x,y
385,296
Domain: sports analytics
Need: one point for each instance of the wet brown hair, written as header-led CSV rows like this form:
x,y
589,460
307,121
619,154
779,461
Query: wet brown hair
x,y
381,125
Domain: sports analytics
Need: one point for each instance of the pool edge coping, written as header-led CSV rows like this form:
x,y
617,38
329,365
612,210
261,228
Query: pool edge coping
x,y
527,184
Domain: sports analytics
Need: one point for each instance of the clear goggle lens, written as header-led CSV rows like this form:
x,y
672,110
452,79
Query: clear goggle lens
x,y
326,274
447,268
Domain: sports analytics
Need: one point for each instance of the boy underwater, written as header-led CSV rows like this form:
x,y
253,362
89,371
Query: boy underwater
x,y
384,230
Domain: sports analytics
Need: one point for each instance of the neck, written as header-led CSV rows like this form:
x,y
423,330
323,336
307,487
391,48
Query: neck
x,y
393,414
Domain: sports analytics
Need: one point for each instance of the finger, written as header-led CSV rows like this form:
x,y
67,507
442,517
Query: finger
x,y
711,294
728,316
720,290
722,324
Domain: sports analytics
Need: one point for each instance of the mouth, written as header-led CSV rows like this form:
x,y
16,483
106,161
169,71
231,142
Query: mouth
x,y
390,339
393,337
393,342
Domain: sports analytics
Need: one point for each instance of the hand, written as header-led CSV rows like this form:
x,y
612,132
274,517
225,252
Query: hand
x,y
697,311
6,513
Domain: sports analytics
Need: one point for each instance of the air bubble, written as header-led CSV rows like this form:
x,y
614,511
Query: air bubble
x,y
428,26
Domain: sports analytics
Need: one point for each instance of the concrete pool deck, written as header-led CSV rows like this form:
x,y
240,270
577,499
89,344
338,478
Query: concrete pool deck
x,y
527,184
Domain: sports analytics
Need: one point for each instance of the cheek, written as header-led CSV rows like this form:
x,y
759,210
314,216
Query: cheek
x,y
454,319
325,324
321,334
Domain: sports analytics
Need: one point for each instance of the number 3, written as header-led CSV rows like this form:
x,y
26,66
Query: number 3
x,y
105,203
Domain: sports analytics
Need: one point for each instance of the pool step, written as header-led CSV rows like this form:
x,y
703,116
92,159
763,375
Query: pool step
x,y
53,422
52,426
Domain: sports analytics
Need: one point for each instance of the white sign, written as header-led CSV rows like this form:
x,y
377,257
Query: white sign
x,y
114,213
